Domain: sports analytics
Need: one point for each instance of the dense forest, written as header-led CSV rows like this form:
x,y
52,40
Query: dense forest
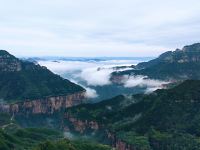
x,y
14,137
165,119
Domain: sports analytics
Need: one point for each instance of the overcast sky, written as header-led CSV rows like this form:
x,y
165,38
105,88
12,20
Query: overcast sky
x,y
97,27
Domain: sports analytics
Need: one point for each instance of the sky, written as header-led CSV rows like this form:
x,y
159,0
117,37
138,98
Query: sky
x,y
97,28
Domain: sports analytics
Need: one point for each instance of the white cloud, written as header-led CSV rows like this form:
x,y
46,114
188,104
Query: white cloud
x,y
98,73
90,93
88,71
96,76
143,81
60,66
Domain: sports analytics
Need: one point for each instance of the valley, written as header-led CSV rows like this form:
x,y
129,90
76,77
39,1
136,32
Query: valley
x,y
47,110
99,75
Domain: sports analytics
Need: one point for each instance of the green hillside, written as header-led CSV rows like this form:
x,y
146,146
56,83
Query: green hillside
x,y
179,64
163,120
22,80
14,137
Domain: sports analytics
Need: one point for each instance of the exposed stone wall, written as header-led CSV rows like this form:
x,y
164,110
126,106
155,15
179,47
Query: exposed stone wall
x,y
119,144
9,64
44,106
82,125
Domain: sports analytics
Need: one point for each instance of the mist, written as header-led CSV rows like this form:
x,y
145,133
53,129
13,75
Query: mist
x,y
144,82
94,74
97,76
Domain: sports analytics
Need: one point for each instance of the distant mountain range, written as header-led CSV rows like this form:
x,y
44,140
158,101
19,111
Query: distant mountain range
x,y
180,64
84,58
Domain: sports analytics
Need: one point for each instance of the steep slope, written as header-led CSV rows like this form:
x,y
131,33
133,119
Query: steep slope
x,y
12,136
179,64
163,120
21,80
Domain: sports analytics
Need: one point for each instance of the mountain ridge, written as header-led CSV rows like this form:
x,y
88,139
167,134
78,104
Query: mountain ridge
x,y
172,65
165,119
22,80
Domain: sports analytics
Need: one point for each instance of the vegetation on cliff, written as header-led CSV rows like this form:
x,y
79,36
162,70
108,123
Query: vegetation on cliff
x,y
179,64
12,136
71,145
165,119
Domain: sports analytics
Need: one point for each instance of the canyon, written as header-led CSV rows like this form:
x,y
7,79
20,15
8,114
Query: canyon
x,y
158,120
50,105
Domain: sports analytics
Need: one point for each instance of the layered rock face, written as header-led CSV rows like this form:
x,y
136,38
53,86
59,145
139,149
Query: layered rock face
x,y
119,144
44,106
81,126
9,63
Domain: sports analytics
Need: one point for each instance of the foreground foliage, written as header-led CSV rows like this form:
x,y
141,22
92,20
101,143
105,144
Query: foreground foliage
x,y
13,137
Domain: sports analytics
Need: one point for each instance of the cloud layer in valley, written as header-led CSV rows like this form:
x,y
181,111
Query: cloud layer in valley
x,y
92,73
87,73
143,81
96,76
90,93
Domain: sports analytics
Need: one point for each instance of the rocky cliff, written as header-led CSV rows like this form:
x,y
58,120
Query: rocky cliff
x,y
8,63
118,143
165,119
46,105
83,126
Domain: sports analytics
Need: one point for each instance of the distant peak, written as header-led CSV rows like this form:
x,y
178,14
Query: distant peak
x,y
4,52
194,47
6,55
8,62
